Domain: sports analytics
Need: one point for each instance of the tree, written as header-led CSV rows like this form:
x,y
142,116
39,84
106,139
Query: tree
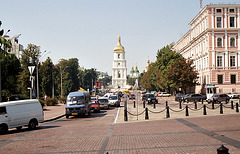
x,y
46,82
182,74
165,57
29,57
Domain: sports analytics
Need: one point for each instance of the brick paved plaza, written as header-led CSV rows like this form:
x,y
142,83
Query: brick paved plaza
x,y
102,133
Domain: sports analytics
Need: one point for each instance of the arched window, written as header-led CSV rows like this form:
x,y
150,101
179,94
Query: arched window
x,y
119,74
118,56
219,42
232,42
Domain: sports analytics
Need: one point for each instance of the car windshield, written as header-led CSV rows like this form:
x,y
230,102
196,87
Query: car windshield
x,y
151,96
76,99
102,100
93,98
112,97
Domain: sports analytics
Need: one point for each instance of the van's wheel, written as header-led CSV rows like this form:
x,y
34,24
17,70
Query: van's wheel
x,y
3,129
32,124
89,113
19,128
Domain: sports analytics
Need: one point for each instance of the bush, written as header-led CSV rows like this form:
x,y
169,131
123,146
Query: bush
x,y
51,101
63,99
42,102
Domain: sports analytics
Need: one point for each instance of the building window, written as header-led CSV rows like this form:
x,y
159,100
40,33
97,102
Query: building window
x,y
220,79
118,56
219,61
232,10
233,79
119,74
232,42
118,64
219,22
232,61
219,42
219,10
232,21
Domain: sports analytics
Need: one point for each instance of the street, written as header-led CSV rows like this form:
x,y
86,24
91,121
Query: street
x,y
102,133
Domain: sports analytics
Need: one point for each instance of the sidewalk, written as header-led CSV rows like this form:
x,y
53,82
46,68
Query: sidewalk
x,y
53,112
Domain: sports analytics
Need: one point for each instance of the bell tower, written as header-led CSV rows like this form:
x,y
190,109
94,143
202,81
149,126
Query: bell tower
x,y
119,69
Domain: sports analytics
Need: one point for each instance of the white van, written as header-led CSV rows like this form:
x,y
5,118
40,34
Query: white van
x,y
16,114
78,103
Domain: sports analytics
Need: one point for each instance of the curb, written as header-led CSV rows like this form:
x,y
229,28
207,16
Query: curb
x,y
55,118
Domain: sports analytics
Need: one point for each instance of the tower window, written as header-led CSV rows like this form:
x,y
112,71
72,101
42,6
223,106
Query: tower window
x,y
118,56
119,74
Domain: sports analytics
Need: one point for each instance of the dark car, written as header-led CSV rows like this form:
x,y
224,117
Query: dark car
x,y
179,97
219,98
131,96
150,98
194,98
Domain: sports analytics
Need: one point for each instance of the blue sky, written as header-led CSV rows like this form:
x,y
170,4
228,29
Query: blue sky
x,y
89,29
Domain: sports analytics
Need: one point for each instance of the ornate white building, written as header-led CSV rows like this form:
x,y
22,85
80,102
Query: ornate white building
x,y
119,69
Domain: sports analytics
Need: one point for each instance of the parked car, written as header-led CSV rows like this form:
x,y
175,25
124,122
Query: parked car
x,y
113,100
131,96
179,97
219,98
164,94
103,101
95,106
233,95
16,114
150,98
93,99
194,97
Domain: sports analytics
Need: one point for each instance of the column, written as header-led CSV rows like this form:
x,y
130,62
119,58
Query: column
x,y
212,17
225,18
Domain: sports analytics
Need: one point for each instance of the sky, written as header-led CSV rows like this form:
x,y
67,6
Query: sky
x,y
89,29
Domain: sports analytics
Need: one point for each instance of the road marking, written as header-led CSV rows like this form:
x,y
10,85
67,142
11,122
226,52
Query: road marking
x,y
116,117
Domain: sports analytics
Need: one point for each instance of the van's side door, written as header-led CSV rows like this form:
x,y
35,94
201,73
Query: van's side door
x,y
3,115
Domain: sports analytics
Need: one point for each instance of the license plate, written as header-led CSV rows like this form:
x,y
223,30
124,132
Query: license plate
x,y
74,113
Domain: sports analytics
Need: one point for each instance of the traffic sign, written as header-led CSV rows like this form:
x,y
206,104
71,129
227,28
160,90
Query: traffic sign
x,y
31,69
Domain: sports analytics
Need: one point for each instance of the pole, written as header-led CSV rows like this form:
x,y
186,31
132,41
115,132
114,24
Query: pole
x,y
61,81
52,83
37,82
0,77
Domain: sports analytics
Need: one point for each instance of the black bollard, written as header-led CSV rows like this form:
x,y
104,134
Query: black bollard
x,y
180,104
187,113
232,106
125,115
167,112
213,104
221,108
134,105
144,104
202,101
166,103
195,102
154,105
204,110
237,109
146,114
222,150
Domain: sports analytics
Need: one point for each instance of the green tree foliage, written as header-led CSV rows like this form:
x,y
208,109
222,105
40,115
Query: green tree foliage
x,y
165,57
46,73
10,68
3,42
29,57
89,78
182,74
148,80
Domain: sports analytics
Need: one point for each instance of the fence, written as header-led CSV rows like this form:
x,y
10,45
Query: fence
x,y
185,109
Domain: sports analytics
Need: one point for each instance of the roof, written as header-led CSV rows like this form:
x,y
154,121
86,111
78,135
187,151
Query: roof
x,y
19,102
119,47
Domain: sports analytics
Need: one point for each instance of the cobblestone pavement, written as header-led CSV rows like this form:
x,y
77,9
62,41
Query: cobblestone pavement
x,y
107,132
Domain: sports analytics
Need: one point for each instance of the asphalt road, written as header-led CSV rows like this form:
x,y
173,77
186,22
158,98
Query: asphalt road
x,y
101,133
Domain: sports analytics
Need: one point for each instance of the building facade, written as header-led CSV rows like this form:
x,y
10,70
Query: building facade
x,y
119,69
16,47
214,45
134,73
